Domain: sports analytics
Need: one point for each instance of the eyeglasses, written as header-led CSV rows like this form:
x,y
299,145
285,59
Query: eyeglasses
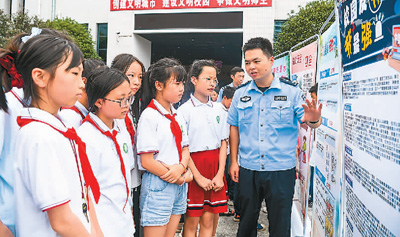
x,y
126,101
209,80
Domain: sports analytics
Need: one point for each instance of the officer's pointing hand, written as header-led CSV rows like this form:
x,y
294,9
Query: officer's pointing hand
x,y
311,111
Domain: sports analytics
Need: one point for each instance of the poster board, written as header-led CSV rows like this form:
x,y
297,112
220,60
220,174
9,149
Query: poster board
x,y
326,153
371,117
302,70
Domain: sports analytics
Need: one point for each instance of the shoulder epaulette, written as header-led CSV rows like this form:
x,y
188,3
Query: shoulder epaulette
x,y
287,81
243,85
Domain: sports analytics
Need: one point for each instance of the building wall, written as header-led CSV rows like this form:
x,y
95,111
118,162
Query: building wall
x,y
257,21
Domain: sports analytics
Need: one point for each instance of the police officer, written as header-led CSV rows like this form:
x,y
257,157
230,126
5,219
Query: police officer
x,y
263,117
237,75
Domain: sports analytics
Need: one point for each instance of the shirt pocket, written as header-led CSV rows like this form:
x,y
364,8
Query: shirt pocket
x,y
280,112
245,112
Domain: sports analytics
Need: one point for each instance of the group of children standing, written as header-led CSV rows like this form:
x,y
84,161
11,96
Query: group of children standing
x,y
83,145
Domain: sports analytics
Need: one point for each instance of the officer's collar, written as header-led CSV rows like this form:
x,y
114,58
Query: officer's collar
x,y
275,84
197,102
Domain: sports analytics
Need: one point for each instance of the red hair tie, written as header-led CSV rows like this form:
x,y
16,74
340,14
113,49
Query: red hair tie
x,y
7,62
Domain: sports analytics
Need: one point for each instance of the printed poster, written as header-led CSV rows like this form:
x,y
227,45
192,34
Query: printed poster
x,y
371,117
303,67
327,146
281,67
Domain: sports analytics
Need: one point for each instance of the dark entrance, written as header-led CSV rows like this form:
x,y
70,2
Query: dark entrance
x,y
224,48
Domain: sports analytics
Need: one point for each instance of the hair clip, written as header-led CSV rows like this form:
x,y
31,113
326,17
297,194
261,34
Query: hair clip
x,y
34,32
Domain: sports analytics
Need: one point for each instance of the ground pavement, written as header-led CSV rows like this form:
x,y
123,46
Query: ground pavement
x,y
228,228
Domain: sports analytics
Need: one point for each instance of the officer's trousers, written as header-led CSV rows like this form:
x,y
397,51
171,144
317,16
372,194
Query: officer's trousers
x,y
277,188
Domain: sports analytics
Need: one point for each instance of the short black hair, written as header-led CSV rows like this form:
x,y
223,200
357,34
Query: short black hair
x,y
259,43
46,52
102,81
236,70
160,71
89,65
228,92
314,89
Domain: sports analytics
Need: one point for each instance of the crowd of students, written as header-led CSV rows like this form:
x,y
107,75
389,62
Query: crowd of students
x,y
92,150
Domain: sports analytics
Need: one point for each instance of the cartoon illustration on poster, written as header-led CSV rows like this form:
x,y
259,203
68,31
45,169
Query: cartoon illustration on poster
x,y
303,67
327,156
369,33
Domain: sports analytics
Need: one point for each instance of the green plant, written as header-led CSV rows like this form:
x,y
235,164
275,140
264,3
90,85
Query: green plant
x,y
304,24
78,33
21,22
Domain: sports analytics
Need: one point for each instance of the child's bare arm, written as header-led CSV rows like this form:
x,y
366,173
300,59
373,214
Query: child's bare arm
x,y
65,222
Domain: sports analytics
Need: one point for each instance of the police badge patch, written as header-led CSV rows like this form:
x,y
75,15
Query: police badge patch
x,y
245,98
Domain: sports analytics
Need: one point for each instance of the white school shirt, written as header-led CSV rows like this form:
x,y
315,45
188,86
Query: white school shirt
x,y
204,125
8,133
71,118
224,121
46,174
154,135
114,219
136,174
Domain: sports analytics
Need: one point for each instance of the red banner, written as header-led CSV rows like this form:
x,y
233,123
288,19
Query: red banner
x,y
124,5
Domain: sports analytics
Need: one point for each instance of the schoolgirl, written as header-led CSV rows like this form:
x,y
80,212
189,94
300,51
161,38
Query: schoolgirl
x,y
109,148
10,105
53,175
207,145
74,115
134,70
162,146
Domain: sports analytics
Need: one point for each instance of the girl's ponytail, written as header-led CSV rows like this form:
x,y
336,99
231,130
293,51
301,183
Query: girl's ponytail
x,y
9,75
160,71
148,91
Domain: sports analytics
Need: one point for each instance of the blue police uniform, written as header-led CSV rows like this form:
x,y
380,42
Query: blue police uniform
x,y
268,131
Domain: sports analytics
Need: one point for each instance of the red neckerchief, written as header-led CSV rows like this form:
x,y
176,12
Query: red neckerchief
x,y
74,108
175,128
90,179
8,63
129,126
113,137
19,99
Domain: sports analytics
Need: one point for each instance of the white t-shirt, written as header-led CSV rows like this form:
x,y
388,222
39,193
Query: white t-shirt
x,y
136,174
72,118
224,121
8,133
205,127
154,135
115,218
46,174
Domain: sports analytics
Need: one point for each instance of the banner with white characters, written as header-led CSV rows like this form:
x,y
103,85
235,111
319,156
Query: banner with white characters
x,y
121,5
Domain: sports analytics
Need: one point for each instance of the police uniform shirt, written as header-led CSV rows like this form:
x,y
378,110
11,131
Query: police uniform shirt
x,y
114,214
268,125
204,125
154,135
47,174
